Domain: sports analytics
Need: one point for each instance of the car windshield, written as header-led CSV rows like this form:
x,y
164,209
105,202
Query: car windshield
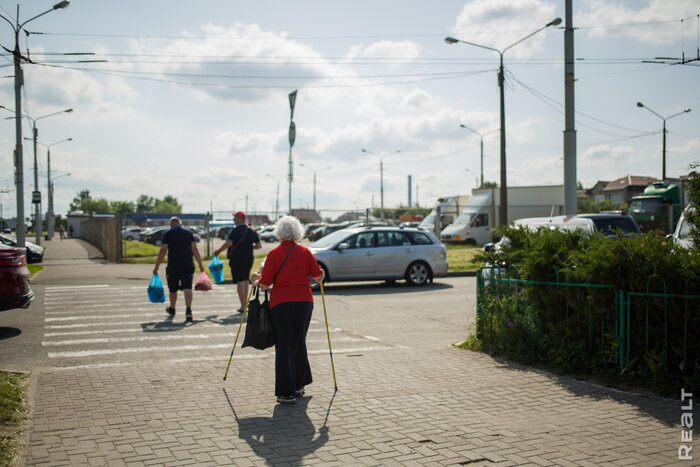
x,y
329,240
685,229
645,205
464,219
610,225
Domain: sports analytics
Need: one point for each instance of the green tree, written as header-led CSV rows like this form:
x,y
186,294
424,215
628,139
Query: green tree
x,y
122,206
96,205
77,203
170,199
145,203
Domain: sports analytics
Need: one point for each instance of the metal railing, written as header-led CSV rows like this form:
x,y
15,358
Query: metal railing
x,y
619,326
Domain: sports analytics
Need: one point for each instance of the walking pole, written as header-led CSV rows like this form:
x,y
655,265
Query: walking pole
x,y
323,299
245,309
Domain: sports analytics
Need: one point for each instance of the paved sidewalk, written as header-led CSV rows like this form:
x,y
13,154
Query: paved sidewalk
x,y
396,407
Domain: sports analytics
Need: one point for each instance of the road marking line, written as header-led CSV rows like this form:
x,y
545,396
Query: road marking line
x,y
113,340
160,329
254,356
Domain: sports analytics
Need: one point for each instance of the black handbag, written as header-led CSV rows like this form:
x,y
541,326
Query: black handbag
x,y
258,331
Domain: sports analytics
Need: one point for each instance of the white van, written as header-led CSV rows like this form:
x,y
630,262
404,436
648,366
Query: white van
x,y
473,224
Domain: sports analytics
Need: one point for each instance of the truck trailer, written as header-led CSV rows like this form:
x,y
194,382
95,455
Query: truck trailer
x,y
479,217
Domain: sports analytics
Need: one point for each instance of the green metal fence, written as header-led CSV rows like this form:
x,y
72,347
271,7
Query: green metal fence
x,y
618,327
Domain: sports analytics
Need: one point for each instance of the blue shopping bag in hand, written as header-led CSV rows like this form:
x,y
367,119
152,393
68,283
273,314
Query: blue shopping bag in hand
x,y
216,267
156,294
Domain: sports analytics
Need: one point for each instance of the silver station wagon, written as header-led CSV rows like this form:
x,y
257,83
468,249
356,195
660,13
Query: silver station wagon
x,y
381,253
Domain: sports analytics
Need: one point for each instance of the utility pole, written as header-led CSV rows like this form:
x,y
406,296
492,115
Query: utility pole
x,y
570,198
292,137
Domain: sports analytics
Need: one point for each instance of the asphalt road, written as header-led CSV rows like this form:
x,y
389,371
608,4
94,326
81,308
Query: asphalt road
x,y
88,312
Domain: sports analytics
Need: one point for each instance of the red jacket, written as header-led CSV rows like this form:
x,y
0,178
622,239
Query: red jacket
x,y
292,283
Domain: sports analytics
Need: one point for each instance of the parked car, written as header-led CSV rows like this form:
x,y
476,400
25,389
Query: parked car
x,y
155,236
267,233
35,253
320,232
682,236
14,279
608,223
7,230
381,253
131,233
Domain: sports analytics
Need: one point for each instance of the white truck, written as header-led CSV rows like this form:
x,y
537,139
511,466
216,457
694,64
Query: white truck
x,y
479,216
446,211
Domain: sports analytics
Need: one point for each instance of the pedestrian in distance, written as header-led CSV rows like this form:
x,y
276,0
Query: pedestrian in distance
x,y
61,231
286,271
180,245
239,246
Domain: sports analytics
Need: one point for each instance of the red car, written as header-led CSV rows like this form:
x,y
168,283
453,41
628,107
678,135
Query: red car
x,y
14,279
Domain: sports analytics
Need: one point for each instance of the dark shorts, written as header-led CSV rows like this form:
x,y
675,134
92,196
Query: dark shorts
x,y
240,270
179,278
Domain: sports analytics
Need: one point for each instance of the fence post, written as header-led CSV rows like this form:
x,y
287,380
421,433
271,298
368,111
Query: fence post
x,y
621,338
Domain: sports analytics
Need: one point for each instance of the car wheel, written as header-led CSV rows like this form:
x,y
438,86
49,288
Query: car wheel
x,y
314,285
418,273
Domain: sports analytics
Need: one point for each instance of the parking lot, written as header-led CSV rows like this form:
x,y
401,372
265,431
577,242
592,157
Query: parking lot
x,y
114,382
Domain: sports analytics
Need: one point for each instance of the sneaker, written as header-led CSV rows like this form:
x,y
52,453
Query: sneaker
x,y
299,392
240,310
170,311
188,315
286,399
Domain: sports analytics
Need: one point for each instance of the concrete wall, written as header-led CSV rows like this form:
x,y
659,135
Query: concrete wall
x,y
105,234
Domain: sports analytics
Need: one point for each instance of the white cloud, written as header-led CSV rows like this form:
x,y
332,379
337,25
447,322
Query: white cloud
x,y
650,21
499,23
417,98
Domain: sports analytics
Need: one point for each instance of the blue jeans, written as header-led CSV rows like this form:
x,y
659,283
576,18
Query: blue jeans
x,y
290,320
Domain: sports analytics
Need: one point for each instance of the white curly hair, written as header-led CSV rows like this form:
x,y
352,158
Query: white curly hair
x,y
288,228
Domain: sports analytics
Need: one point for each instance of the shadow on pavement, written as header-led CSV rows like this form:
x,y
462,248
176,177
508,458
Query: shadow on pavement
x,y
289,430
169,325
663,410
374,288
8,333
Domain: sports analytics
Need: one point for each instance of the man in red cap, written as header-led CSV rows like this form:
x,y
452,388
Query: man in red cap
x,y
240,243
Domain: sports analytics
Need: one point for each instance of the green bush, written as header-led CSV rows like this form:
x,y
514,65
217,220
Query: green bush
x,y
565,312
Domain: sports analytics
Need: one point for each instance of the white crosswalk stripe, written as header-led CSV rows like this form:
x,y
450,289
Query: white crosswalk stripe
x,y
102,326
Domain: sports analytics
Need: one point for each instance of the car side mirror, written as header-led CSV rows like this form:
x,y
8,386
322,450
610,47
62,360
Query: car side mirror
x,y
343,246
488,247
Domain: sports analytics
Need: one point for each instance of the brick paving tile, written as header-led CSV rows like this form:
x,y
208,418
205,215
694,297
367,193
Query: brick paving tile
x,y
447,407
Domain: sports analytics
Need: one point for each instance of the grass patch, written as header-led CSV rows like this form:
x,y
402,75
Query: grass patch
x,y
461,257
13,412
34,268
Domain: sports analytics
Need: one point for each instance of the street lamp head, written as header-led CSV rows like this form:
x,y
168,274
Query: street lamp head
x,y
451,40
639,104
62,4
686,110
68,111
554,22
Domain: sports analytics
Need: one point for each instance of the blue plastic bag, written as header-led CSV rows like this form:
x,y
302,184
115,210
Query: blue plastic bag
x,y
216,267
156,294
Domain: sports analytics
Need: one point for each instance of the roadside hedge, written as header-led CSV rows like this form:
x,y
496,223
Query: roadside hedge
x,y
565,311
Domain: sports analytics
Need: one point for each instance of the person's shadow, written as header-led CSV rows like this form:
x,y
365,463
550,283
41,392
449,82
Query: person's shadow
x,y
286,437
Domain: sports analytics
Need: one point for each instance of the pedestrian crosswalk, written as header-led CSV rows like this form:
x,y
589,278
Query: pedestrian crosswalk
x,y
108,325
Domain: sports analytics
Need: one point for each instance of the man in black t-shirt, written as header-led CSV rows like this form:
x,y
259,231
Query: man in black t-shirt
x,y
242,240
180,245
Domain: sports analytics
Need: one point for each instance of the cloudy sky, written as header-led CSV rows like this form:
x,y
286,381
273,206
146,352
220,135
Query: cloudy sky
x,y
192,100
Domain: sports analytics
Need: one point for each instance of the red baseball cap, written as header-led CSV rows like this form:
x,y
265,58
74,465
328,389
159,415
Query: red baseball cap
x,y
240,214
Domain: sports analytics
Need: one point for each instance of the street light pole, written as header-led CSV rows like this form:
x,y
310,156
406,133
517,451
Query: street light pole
x,y
663,151
381,176
19,81
277,199
37,202
503,211
314,171
481,137
50,213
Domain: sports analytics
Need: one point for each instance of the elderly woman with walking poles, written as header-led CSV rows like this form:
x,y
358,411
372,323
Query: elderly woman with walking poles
x,y
287,270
